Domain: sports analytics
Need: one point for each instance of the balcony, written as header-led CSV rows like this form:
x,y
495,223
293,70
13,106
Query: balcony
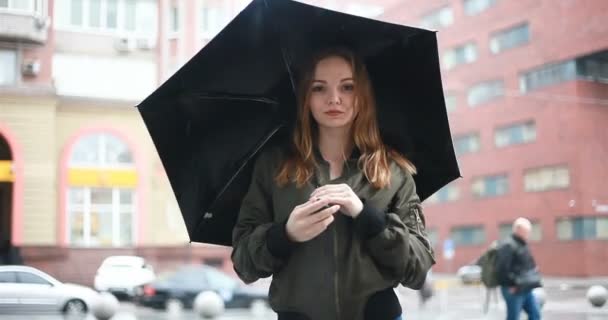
x,y
23,21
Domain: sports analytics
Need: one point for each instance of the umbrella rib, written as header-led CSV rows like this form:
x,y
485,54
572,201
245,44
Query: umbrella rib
x,y
247,159
284,54
229,96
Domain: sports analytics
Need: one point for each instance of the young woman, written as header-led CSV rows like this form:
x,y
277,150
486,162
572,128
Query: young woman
x,y
335,219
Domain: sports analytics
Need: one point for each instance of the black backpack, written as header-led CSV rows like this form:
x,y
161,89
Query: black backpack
x,y
487,262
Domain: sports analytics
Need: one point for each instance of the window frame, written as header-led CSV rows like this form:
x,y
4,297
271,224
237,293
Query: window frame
x,y
493,85
497,36
483,179
475,228
533,170
458,51
573,228
525,125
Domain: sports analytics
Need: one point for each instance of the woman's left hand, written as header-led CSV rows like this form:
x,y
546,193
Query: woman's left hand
x,y
340,194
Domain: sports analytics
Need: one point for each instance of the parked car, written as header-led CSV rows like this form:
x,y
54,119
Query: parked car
x,y
183,285
28,290
121,275
470,274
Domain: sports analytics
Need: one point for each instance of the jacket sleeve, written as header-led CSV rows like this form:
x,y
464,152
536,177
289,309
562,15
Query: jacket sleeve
x,y
397,240
260,246
504,265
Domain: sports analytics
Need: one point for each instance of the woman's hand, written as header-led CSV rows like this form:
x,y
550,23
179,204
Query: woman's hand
x,y
340,194
306,223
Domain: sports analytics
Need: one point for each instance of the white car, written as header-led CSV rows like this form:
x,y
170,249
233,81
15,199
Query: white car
x,y
470,274
29,290
123,275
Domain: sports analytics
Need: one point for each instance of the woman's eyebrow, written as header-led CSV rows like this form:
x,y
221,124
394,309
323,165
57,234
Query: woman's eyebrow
x,y
322,81
346,79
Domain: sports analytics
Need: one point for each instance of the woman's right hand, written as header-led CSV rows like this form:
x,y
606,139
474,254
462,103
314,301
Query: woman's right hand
x,y
306,223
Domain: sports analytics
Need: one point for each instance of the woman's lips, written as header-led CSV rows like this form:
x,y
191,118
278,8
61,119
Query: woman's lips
x,y
333,113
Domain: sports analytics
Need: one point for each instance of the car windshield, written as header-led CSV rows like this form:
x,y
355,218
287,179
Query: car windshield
x,y
199,276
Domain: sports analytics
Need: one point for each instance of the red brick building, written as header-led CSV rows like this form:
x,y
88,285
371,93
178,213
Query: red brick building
x,y
526,84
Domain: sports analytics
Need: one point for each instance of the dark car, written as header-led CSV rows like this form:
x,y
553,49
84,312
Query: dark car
x,y
183,285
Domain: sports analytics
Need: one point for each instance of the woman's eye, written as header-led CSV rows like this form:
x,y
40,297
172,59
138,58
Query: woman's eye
x,y
348,87
317,88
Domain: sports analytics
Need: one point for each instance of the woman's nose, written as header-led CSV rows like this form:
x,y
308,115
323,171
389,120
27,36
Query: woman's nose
x,y
334,98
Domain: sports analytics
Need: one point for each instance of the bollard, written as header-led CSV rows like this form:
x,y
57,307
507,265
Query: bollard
x,y
208,305
597,295
541,296
105,306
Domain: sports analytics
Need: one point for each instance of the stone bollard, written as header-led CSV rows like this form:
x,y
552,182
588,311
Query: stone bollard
x,y
597,295
105,307
208,305
541,296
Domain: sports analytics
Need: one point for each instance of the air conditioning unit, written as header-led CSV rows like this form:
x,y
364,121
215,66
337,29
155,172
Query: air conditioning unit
x,y
146,43
42,23
30,68
124,44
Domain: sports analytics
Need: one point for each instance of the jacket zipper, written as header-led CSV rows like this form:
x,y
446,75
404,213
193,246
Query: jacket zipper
x,y
336,282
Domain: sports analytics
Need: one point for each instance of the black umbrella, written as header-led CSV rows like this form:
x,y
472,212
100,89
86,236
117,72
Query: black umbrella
x,y
211,118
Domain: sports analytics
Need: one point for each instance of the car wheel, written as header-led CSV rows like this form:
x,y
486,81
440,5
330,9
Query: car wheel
x,y
174,306
75,307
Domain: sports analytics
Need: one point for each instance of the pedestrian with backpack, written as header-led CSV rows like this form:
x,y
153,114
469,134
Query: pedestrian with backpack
x,y
517,274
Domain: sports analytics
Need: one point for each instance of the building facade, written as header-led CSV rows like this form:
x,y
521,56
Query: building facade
x,y
526,86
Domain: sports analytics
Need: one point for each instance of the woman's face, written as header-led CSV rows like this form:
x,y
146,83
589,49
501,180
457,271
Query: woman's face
x,y
332,93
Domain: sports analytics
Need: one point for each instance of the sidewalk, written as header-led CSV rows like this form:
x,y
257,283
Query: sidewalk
x,y
563,283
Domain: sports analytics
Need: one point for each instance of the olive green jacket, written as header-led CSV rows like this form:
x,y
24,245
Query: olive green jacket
x,y
333,275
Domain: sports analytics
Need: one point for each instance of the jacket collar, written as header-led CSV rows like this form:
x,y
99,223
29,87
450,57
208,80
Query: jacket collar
x,y
518,239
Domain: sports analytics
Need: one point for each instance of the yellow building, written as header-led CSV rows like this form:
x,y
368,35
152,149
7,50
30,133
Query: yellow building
x,y
80,178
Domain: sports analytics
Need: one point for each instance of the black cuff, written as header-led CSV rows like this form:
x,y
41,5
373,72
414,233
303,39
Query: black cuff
x,y
370,222
277,241
383,304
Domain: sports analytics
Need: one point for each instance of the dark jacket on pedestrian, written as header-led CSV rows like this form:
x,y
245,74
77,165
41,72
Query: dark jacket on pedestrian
x,y
513,261
348,271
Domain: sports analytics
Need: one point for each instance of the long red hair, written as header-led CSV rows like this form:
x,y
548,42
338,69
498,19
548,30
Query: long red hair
x,y
375,156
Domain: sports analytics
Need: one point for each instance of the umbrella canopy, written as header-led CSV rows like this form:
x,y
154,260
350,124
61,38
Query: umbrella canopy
x,y
212,117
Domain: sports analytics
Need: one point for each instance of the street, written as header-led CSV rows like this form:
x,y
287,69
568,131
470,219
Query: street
x,y
452,301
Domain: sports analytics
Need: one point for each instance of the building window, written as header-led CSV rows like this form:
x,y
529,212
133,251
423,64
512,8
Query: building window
x,y
466,53
101,193
25,6
485,92
8,65
465,144
511,38
548,75
583,228
468,235
450,102
446,194
174,19
491,186
474,7
547,178
506,229
593,67
438,19
515,134
123,17
364,10
212,21
76,12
